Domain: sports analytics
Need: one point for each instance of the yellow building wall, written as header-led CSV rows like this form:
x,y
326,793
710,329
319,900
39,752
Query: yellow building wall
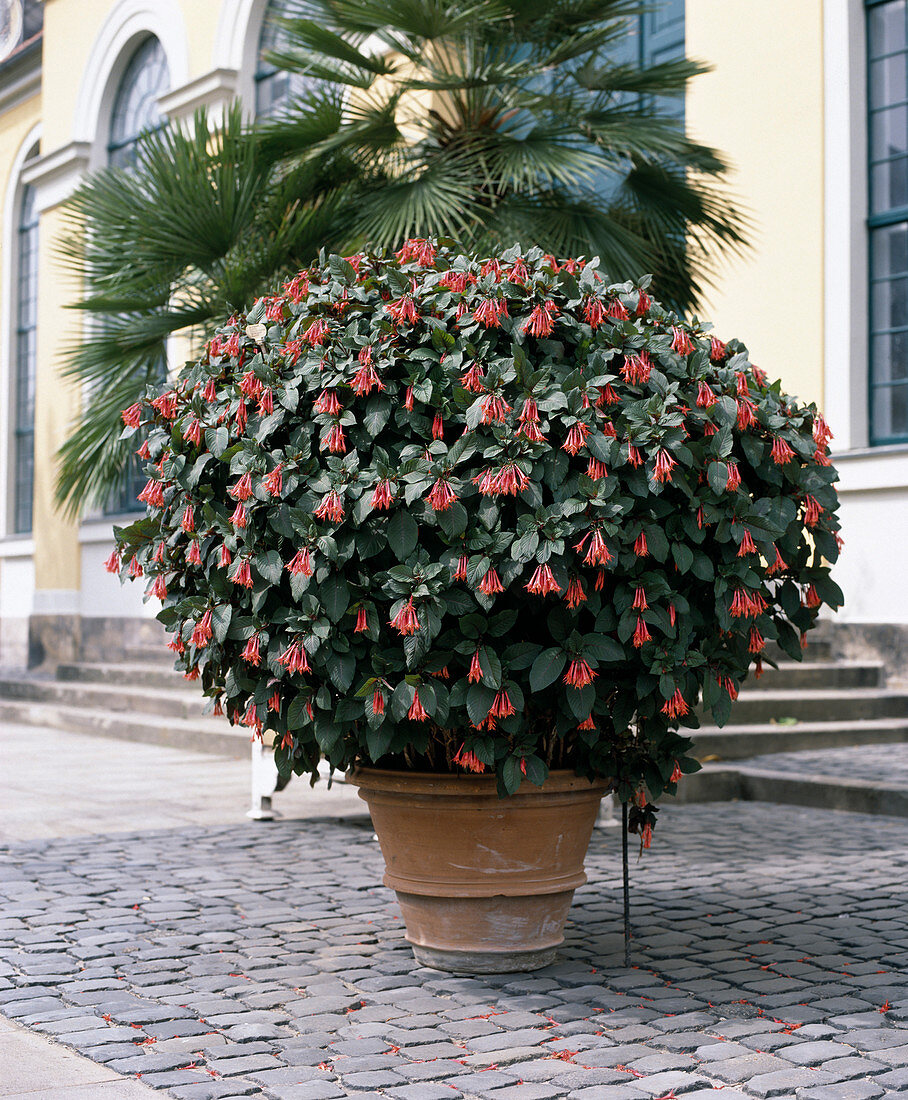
x,y
762,106
14,128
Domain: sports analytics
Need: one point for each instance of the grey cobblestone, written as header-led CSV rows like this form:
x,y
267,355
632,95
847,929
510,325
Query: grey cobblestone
x,y
298,985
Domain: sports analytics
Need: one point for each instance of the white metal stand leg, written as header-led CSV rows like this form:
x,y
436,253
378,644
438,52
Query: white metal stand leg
x,y
264,782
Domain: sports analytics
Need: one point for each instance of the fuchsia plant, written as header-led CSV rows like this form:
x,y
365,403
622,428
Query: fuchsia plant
x,y
437,512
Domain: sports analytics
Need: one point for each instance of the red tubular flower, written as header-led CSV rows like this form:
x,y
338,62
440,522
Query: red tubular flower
x,y
542,582
316,334
596,470
598,552
681,342
676,775
640,603
113,563
636,369
294,659
617,311
240,517
240,418
608,396
403,310
510,480
676,707
756,644
382,496
274,705
408,399
518,272
469,761
634,457
460,573
640,547
143,451
734,477
438,427
575,594
492,267
266,403
747,545
491,585
201,635
587,723
472,380
362,622
646,836
406,620
193,433
417,712
594,311
531,432
188,520
166,405
159,588
250,386
366,380
177,645
576,438
194,555
274,482
251,653
132,417
812,597
327,403
641,634
705,396
335,440
644,301
159,554
231,346
378,701
662,468
717,350
672,614
298,287
541,320
489,312
331,507
442,496
746,604
225,558
242,575
747,413
475,673
191,674
741,383
579,673
243,488
821,432
153,494
301,564
494,408
502,707
812,511
778,565
781,452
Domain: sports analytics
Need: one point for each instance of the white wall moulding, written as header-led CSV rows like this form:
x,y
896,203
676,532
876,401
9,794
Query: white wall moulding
x,y
214,90
17,547
21,85
56,601
57,174
236,43
127,24
873,469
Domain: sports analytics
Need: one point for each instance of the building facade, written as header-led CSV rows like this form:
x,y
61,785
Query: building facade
x,y
809,102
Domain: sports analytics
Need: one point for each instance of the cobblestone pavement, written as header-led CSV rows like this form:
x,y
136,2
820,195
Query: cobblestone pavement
x,y
875,763
265,960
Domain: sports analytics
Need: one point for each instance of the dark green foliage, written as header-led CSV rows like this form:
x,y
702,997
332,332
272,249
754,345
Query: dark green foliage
x,y
380,472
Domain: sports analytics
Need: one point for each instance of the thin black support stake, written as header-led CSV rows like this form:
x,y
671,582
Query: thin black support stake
x,y
627,891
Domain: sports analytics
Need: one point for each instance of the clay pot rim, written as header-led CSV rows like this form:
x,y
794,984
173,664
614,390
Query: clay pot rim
x,y
436,784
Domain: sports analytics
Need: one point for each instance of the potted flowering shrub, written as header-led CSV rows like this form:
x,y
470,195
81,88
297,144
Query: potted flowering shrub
x,y
483,532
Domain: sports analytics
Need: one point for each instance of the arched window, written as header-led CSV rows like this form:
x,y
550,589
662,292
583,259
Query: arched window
x,y
135,109
23,403
274,88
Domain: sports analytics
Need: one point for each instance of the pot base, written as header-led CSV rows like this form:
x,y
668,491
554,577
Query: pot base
x,y
484,962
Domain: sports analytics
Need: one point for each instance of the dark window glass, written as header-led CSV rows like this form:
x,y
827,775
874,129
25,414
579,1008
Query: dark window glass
x,y
25,362
275,88
135,112
887,132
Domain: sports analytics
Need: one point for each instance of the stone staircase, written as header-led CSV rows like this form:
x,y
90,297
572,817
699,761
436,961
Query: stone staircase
x,y
810,734
824,733
130,700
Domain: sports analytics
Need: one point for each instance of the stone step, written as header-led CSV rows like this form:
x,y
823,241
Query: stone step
x,y
171,702
810,675
213,735
819,705
160,674
721,783
738,742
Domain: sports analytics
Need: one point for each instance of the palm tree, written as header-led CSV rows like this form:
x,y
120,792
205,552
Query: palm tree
x,y
491,121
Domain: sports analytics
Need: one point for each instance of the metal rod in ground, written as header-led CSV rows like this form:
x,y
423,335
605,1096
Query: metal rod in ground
x,y
627,892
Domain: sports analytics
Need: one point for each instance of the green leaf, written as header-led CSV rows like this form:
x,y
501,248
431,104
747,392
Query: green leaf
x,y
335,597
341,669
511,775
717,476
269,564
546,669
603,648
537,772
683,556
403,534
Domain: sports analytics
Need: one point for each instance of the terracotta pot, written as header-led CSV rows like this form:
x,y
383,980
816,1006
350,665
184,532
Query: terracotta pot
x,y
484,884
